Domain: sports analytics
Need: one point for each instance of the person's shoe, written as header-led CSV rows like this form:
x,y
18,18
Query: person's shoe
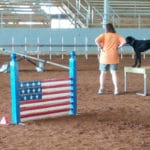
x,y
100,91
116,92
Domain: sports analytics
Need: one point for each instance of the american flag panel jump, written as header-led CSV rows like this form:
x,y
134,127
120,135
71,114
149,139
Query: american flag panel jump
x,y
47,98
42,99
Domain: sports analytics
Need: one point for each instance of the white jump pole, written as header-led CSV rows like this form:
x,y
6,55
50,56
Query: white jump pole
x,y
121,53
25,46
39,59
144,53
12,41
86,48
62,47
38,48
98,52
75,42
50,48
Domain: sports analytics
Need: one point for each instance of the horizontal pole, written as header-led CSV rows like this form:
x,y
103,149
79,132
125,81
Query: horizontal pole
x,y
37,59
56,64
30,57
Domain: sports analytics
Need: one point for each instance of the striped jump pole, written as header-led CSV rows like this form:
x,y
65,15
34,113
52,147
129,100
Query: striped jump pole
x,y
34,100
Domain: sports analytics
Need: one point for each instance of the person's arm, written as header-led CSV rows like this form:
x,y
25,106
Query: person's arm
x,y
122,42
99,51
99,42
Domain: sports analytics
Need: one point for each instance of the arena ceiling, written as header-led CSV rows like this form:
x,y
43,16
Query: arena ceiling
x,y
80,13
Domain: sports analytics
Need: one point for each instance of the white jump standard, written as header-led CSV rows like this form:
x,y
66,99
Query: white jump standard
x,y
142,70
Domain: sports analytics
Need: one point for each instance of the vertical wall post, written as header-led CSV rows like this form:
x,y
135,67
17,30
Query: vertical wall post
x,y
14,81
73,76
106,13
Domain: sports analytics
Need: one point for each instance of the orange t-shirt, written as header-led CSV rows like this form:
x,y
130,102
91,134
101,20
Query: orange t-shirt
x,y
109,42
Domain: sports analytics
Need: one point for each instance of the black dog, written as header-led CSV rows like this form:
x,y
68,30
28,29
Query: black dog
x,y
138,46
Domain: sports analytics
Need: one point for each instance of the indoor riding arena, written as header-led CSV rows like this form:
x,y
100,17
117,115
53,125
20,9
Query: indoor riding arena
x,y
49,76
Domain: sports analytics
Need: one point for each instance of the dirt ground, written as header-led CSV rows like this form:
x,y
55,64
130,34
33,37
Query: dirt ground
x,y
104,122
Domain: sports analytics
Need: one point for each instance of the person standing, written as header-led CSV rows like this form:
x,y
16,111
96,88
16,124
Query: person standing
x,y
109,42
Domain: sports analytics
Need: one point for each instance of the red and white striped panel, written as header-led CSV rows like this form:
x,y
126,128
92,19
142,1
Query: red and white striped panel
x,y
56,94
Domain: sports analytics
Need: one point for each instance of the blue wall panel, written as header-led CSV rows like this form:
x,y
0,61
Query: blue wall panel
x,y
69,36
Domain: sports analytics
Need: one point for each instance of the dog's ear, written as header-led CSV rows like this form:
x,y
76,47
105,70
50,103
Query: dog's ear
x,y
130,40
129,37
